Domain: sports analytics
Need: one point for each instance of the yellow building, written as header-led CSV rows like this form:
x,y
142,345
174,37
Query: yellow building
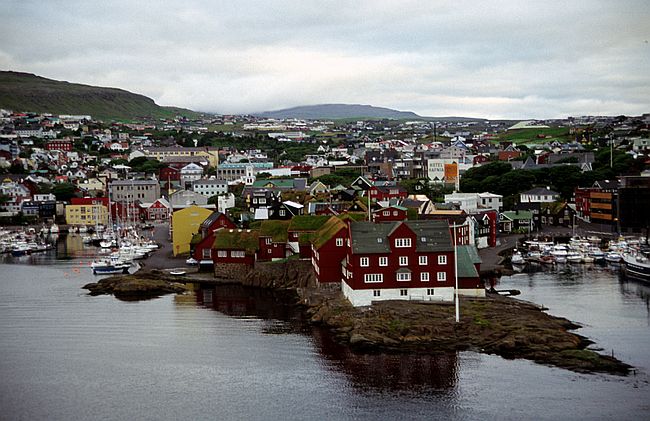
x,y
209,153
185,223
86,214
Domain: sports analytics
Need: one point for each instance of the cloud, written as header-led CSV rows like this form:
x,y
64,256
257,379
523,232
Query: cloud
x,y
504,59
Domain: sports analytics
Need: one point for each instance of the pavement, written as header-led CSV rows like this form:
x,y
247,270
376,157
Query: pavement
x,y
163,257
490,257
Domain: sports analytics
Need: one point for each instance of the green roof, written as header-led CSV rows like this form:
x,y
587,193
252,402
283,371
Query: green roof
x,y
467,257
355,216
277,230
327,231
284,182
196,238
307,222
232,239
514,215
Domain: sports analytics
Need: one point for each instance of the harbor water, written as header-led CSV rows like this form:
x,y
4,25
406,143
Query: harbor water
x,y
238,353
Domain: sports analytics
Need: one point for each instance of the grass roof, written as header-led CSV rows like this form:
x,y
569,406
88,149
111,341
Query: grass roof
x,y
307,222
227,239
327,231
277,230
196,238
355,216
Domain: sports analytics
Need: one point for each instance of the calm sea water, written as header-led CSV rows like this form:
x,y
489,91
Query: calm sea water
x,y
237,353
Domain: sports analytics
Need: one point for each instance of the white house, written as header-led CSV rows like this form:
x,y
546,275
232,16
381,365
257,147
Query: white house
x,y
539,195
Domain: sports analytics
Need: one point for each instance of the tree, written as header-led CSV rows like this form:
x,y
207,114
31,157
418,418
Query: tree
x,y
64,191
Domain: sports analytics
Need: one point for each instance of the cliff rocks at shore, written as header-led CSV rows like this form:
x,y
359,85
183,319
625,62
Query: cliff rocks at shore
x,y
494,325
137,286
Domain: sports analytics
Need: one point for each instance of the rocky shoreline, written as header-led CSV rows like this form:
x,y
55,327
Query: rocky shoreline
x,y
497,325
139,286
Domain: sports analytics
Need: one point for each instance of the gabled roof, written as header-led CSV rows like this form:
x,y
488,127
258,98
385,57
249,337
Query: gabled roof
x,y
518,215
210,220
541,191
327,231
232,239
467,258
431,236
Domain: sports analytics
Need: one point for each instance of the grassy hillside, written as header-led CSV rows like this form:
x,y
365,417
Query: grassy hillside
x,y
537,135
28,92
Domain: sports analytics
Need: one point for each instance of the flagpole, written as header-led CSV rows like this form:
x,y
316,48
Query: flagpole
x,y
456,275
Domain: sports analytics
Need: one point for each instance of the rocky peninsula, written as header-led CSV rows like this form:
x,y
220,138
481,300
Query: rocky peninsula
x,y
494,325
497,325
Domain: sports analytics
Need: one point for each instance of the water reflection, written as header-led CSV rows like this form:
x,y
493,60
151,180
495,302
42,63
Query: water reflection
x,y
380,371
389,372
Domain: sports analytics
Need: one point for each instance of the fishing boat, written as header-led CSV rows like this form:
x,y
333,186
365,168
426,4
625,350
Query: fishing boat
x,y
636,266
109,266
20,249
517,258
574,256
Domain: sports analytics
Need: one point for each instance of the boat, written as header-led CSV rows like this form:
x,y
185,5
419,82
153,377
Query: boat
x,y
573,256
109,266
613,257
177,272
191,261
636,266
20,249
517,258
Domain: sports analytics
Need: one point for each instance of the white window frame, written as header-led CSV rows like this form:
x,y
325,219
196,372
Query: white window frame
x,y
222,253
373,278
364,262
441,276
403,292
383,261
423,260
424,276
376,293
339,242
207,255
403,276
402,242
403,260
430,291
442,260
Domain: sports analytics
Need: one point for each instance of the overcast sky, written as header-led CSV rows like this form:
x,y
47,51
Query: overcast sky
x,y
494,59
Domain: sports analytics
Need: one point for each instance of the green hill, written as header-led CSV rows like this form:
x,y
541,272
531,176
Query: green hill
x,y
28,92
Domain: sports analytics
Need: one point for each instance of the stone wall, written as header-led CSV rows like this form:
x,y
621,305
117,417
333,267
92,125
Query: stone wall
x,y
289,274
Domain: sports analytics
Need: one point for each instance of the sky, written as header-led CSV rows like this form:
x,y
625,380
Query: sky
x,y
507,59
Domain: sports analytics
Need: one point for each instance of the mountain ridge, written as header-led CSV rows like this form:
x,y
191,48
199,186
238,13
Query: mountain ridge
x,y
21,91
338,111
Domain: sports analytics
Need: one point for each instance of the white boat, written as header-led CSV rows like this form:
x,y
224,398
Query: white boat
x,y
110,265
613,257
573,256
517,258
20,249
559,250
54,229
177,272
636,266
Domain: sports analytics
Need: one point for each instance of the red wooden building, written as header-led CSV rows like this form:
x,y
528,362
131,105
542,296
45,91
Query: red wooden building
x,y
234,248
329,246
390,214
201,244
59,145
273,240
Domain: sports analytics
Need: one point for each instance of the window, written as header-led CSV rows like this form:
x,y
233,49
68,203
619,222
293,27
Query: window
x,y
404,276
442,276
383,261
222,253
269,251
339,242
403,260
207,253
429,291
386,213
237,254
364,261
403,292
267,241
394,213
424,276
371,278
402,242
442,260
282,212
376,293
423,260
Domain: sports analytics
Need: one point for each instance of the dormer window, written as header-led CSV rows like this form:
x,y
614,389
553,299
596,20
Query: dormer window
x,y
402,242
